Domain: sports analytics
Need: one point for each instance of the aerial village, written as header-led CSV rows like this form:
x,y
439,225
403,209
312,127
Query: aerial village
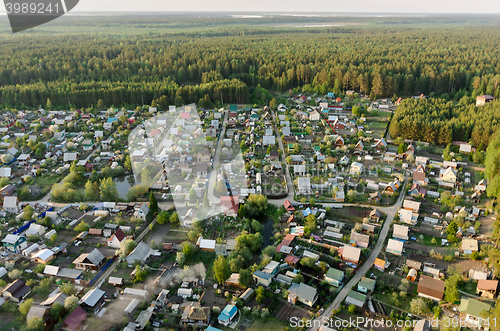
x,y
244,217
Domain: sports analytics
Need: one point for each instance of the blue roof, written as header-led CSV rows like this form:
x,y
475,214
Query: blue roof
x,y
228,313
262,275
330,94
211,328
306,211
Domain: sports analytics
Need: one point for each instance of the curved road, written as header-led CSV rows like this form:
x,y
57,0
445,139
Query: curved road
x,y
361,272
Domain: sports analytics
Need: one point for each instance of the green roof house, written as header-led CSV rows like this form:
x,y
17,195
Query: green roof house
x,y
471,310
366,284
334,276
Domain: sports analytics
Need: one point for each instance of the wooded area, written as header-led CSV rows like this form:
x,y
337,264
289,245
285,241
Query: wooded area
x,y
185,67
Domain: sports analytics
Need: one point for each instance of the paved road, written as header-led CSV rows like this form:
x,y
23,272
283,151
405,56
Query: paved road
x,y
212,180
360,273
289,181
112,267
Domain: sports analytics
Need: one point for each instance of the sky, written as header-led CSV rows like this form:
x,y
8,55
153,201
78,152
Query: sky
x,y
327,6
316,6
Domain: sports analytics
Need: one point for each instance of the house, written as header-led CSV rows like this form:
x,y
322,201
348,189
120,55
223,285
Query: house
x,y
93,300
7,191
16,291
57,298
360,240
356,168
419,176
35,230
448,175
142,210
391,188
39,311
115,281
11,204
268,140
431,288
375,215
291,260
75,320
206,245
304,186
271,268
395,247
229,205
302,293
375,197
299,169
487,288
233,280
481,100
140,254
340,196
407,216
116,238
339,142
380,145
70,157
351,253
90,261
201,169
414,206
379,264
288,205
227,315
262,278
196,315
5,172
359,146
14,243
416,191
366,285
413,264
334,276
44,256
355,298
472,313
400,232
469,246
87,145
314,116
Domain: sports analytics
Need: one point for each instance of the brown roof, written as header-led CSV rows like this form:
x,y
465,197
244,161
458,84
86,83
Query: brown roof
x,y
199,313
431,287
413,264
419,176
97,232
10,189
118,234
487,285
17,289
76,318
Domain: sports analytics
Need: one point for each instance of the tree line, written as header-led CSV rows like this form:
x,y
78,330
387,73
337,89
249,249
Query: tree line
x,y
440,122
80,70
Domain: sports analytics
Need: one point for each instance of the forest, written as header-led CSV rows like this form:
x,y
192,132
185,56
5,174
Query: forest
x,y
440,122
78,70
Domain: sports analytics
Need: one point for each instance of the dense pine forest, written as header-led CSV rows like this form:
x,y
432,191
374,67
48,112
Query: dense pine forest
x,y
177,68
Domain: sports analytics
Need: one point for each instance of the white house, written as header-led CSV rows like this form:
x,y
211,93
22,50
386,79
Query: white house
x,y
314,116
356,168
304,186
